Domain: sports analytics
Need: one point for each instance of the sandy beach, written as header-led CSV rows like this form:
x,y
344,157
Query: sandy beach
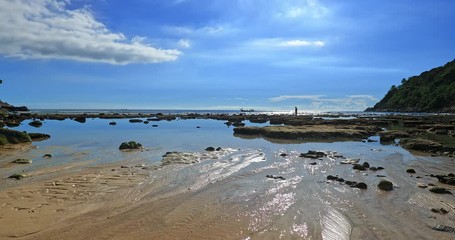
x,y
233,194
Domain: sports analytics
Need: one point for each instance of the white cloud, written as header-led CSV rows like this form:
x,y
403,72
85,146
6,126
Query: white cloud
x,y
301,43
46,29
184,43
320,102
287,97
293,9
279,42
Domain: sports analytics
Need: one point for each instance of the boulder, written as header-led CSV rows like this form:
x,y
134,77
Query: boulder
x,y
420,144
47,155
35,123
135,120
385,185
112,123
8,136
130,145
439,190
360,185
80,119
39,136
313,154
359,167
210,149
411,170
330,177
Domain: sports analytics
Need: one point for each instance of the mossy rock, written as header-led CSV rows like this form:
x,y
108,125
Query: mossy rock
x,y
8,136
385,185
39,136
130,145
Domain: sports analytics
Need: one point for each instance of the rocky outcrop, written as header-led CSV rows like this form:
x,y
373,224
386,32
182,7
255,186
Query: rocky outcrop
x,y
420,144
8,136
310,132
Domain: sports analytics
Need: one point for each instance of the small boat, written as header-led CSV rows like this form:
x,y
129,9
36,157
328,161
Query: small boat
x,y
246,110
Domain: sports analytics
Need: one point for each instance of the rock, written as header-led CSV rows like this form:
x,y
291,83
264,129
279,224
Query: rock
x,y
351,183
447,179
276,177
380,176
420,144
313,154
330,177
135,120
210,149
340,180
39,136
439,210
283,155
154,125
80,119
313,163
360,185
130,145
218,149
443,228
359,167
439,190
390,136
36,124
47,155
385,185
411,170
350,161
146,122
112,123
8,136
17,176
366,165
22,161
373,169
198,126
422,185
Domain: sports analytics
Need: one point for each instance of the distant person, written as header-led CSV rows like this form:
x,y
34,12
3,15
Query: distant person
x,y
296,111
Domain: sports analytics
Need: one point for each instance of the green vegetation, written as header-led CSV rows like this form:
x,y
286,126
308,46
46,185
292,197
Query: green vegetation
x,y
431,91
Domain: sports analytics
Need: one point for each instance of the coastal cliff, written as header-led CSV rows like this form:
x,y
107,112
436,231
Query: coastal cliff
x,y
431,91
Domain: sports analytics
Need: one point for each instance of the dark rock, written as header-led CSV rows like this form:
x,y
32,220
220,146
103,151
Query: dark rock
x,y
36,124
130,145
447,179
443,228
361,185
313,154
380,176
380,168
276,177
22,161
218,149
330,177
135,120
359,167
39,136
198,126
439,190
47,155
340,180
210,149
146,122
313,163
373,169
112,123
80,119
283,155
154,125
350,183
17,176
410,170
385,185
366,165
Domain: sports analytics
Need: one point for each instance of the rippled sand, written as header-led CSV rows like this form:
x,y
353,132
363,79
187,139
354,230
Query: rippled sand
x,y
227,195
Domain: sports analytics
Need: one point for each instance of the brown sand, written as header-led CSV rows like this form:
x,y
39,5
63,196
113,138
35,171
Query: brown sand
x,y
214,200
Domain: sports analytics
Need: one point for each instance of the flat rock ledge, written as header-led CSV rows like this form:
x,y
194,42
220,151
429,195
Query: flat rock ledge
x,y
310,132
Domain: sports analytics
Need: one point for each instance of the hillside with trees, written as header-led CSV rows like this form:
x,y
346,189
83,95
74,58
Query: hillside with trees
x,y
431,91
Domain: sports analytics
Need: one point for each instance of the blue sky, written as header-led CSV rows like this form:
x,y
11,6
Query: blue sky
x,y
217,54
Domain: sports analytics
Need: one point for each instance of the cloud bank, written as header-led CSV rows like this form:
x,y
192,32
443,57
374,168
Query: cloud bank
x,y
46,29
321,102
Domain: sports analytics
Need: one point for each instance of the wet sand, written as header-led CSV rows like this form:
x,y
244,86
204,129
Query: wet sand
x,y
226,195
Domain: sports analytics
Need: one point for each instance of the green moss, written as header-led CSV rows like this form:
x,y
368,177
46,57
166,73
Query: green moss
x,y
8,136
